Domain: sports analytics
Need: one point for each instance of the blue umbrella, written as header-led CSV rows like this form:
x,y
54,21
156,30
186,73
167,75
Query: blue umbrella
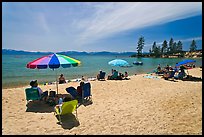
x,y
118,62
185,62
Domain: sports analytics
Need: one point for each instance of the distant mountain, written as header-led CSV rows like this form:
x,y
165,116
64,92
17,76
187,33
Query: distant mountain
x,y
21,52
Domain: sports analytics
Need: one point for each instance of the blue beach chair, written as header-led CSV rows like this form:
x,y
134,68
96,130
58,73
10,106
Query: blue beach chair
x,y
86,91
102,76
72,91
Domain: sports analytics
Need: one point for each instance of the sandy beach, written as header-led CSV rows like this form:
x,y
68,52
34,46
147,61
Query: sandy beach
x,y
137,106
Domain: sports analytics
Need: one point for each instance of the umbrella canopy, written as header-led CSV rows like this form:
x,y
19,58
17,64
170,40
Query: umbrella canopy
x,y
53,61
188,61
118,62
185,62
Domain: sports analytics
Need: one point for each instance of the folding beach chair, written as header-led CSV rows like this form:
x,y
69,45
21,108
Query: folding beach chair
x,y
66,108
32,94
72,91
86,91
171,75
102,76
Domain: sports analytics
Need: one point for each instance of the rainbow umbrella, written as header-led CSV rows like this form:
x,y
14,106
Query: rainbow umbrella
x,y
53,61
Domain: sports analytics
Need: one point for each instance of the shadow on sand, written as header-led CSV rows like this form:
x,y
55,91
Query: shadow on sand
x,y
191,78
39,106
69,121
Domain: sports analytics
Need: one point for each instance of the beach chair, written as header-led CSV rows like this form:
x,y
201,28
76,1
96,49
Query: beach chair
x,y
72,91
170,76
66,108
86,92
32,94
102,76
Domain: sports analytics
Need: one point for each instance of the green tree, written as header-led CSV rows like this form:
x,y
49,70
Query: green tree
x,y
174,47
179,46
164,47
193,46
140,45
156,50
171,44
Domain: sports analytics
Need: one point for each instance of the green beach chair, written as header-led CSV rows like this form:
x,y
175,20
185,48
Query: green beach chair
x,y
32,94
66,108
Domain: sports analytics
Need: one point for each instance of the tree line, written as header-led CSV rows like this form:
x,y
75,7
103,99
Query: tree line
x,y
166,49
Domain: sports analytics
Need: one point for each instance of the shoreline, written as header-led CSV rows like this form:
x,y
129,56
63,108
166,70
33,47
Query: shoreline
x,y
70,80
53,83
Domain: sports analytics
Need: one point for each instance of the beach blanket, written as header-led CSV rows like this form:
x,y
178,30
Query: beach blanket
x,y
151,77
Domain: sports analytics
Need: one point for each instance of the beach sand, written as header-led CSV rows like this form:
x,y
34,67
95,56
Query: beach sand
x,y
136,106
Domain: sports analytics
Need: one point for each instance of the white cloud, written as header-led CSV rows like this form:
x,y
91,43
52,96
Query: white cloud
x,y
43,23
69,26
110,18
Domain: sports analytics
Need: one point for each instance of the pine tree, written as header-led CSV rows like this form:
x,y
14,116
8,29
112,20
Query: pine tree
x,y
140,45
179,46
193,46
174,47
154,48
164,47
171,43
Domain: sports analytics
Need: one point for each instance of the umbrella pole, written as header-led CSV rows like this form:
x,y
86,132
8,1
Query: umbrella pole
x,y
56,82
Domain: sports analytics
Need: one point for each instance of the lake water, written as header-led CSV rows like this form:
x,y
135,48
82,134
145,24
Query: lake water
x,y
15,73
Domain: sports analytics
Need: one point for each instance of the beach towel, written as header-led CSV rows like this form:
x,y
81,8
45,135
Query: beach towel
x,y
151,77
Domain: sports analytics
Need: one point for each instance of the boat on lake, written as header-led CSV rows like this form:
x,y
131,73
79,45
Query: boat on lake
x,y
138,63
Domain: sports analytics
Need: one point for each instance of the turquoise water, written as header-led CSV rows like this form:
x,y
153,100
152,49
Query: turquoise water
x,y
15,73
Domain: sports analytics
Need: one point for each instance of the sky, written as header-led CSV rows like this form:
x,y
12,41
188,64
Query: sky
x,y
98,26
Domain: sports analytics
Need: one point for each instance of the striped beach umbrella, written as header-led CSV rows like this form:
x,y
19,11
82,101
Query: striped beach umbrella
x,y
53,61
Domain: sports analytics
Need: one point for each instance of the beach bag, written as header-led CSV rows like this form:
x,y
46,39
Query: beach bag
x,y
52,94
51,98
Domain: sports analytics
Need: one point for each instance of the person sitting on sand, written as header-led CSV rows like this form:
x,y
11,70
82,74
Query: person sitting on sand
x,y
182,73
113,76
167,68
126,76
34,85
112,72
169,74
82,78
80,88
158,69
120,76
62,79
